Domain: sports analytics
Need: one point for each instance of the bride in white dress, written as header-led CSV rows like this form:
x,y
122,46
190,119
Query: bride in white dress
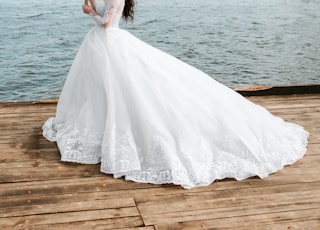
x,y
152,118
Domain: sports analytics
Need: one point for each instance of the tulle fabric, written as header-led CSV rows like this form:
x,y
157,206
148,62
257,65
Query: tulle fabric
x,y
152,118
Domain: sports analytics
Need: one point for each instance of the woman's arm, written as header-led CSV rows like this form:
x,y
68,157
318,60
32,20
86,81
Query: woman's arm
x,y
107,16
93,5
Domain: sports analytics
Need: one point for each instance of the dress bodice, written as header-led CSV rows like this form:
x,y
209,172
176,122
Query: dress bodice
x,y
109,11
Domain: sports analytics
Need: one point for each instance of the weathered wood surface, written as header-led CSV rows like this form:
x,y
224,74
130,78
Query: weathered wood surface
x,y
37,191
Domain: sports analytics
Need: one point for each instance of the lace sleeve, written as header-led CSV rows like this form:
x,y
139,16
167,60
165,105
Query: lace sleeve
x,y
109,12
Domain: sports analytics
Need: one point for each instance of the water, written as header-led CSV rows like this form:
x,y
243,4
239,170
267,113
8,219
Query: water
x,y
238,42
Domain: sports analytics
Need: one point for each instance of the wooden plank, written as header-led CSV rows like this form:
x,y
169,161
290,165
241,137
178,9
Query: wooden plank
x,y
68,217
30,115
289,116
31,163
33,127
234,193
141,228
313,148
52,172
114,223
68,186
305,117
119,193
26,106
254,221
285,100
280,98
293,225
26,144
18,116
47,154
10,132
229,212
291,109
39,197
294,102
71,206
315,104
160,207
41,192
297,101
32,135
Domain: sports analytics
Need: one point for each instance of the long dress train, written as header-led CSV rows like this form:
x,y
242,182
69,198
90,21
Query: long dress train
x,y
152,118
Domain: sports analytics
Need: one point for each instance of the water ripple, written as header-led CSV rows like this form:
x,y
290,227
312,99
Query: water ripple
x,y
237,42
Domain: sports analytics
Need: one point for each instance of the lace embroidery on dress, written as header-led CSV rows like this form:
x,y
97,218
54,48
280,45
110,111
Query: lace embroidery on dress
x,y
158,168
223,165
119,153
160,164
79,145
105,9
76,144
49,131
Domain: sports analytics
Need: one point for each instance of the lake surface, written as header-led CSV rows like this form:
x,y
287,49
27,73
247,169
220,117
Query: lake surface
x,y
237,42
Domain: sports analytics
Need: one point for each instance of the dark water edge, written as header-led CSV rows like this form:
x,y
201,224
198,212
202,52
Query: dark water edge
x,y
239,43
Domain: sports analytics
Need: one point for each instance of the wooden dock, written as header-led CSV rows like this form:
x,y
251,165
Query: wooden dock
x,y
37,191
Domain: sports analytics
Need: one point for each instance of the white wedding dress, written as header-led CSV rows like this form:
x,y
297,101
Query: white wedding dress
x,y
152,118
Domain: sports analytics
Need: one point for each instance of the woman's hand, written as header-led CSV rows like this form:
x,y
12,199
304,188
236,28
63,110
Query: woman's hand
x,y
87,9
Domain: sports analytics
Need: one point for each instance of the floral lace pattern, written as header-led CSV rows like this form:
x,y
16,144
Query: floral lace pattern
x,y
119,153
76,144
49,130
159,163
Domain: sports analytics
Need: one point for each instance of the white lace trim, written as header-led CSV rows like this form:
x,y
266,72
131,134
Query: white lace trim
x,y
119,152
159,164
49,130
76,144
